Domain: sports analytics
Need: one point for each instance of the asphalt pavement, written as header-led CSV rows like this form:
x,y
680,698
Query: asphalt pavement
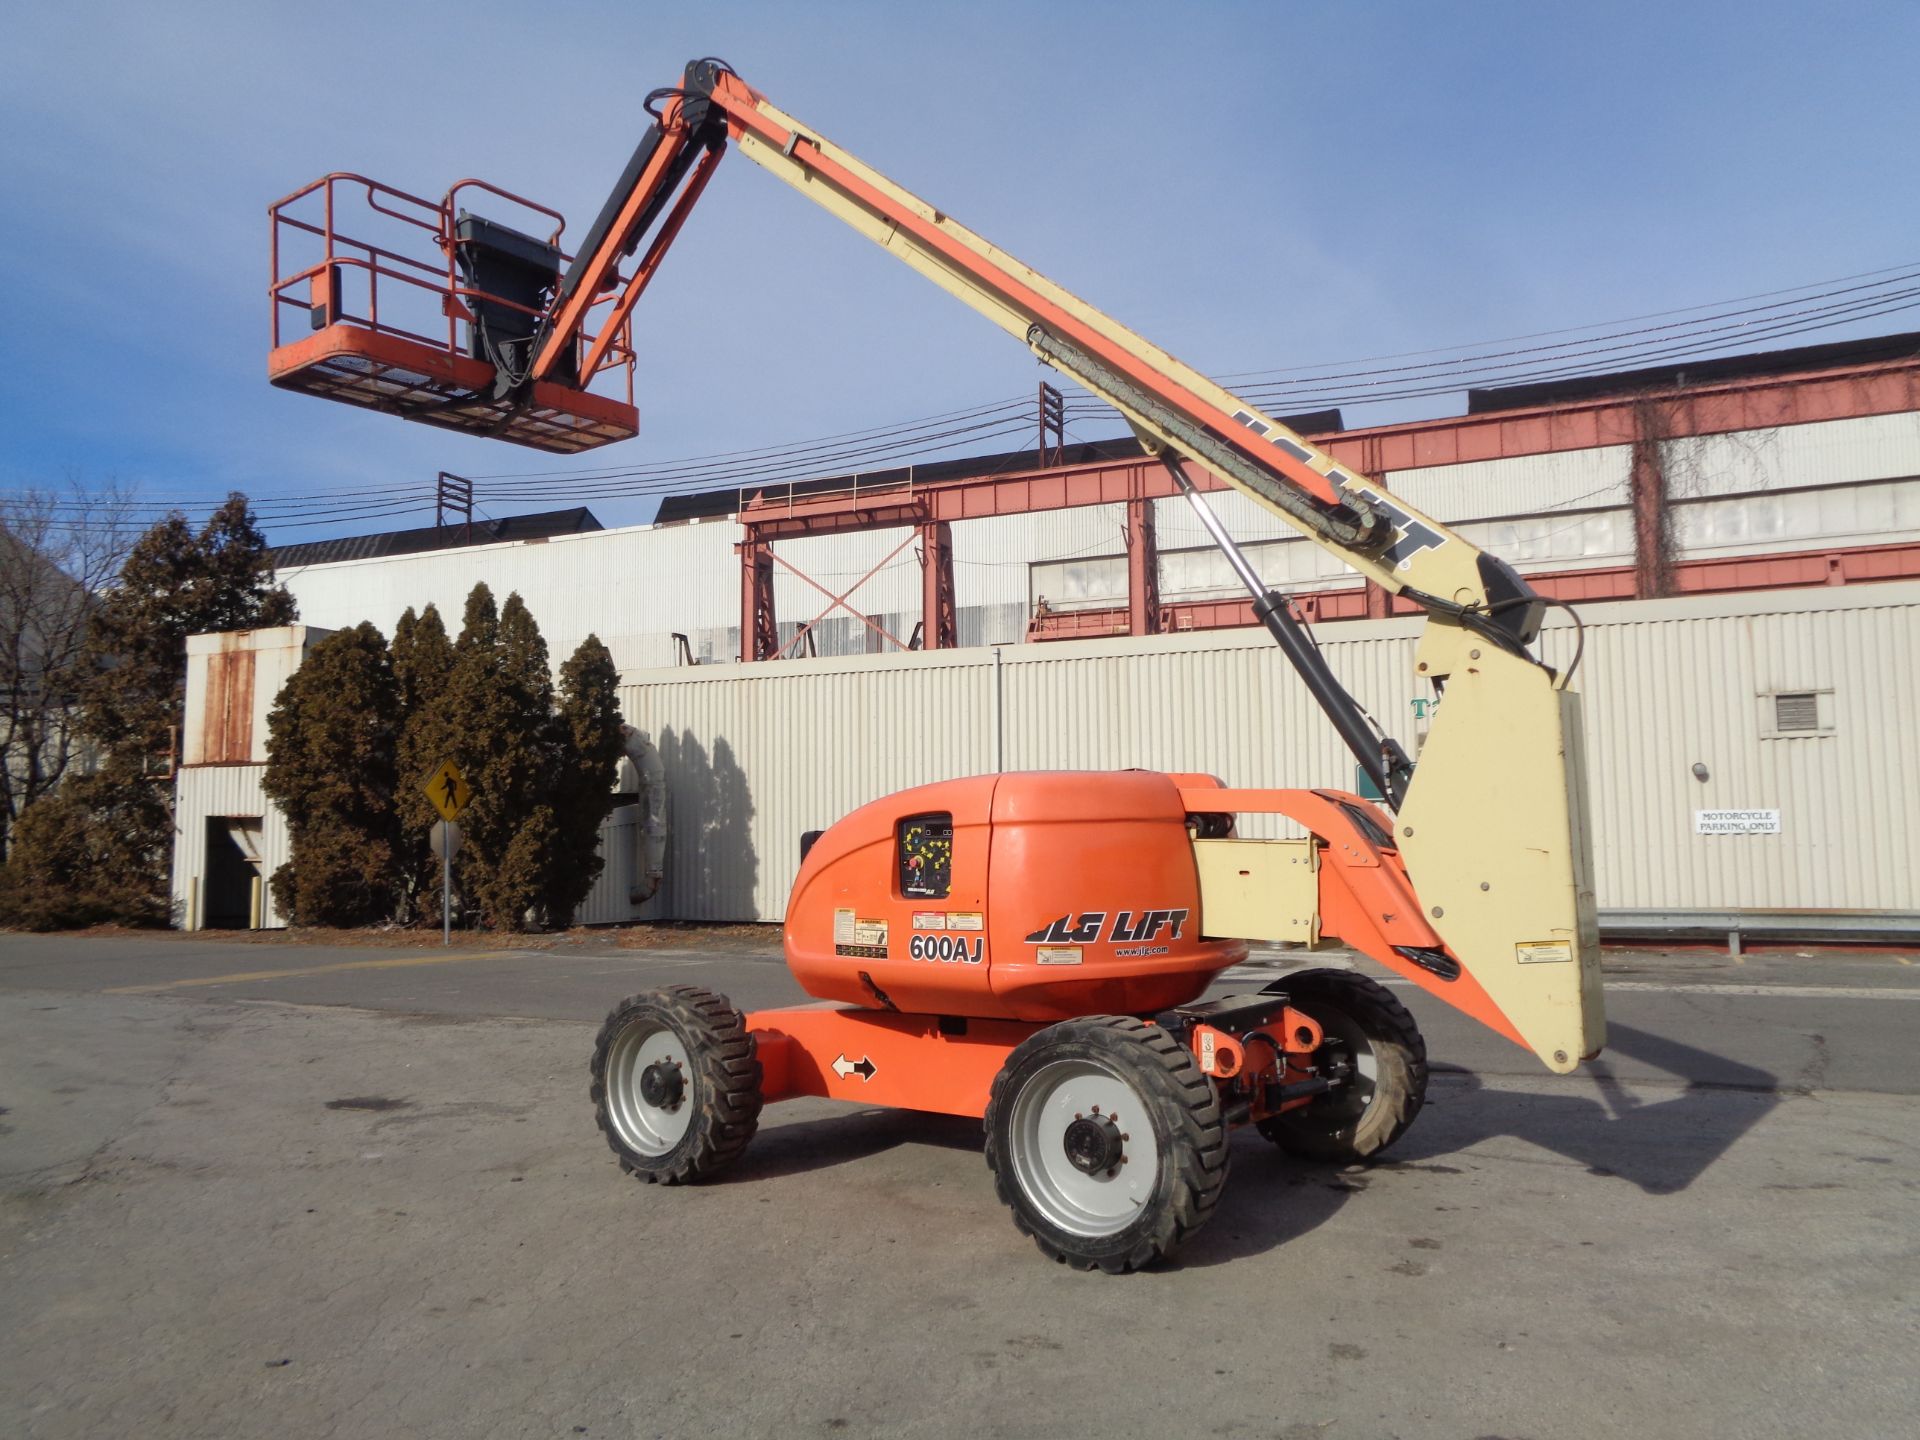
x,y
276,1189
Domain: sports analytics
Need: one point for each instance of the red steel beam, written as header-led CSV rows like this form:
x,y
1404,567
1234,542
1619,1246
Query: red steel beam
x,y
939,614
1759,402
1143,569
1716,575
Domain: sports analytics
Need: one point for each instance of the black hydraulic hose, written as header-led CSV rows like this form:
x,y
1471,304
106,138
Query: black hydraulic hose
x,y
1384,762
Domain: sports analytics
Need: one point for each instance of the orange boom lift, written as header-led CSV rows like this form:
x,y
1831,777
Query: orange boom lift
x,y
1031,949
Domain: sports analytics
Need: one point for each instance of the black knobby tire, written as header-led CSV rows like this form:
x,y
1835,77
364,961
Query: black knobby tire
x,y
1369,1028
1158,1207
710,1049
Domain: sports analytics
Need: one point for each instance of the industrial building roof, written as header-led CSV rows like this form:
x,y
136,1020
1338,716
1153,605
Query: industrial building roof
x,y
542,526
1832,356
709,504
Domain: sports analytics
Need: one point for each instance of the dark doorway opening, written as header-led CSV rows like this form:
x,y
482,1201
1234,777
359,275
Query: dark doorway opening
x,y
230,874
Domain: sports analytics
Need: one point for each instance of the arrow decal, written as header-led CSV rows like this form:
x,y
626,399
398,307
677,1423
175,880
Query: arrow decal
x,y
863,1067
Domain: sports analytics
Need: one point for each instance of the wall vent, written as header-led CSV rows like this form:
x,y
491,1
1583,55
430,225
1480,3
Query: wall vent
x,y
1788,714
1799,711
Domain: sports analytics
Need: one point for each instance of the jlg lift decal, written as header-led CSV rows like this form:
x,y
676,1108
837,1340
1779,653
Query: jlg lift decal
x,y
1410,537
1130,927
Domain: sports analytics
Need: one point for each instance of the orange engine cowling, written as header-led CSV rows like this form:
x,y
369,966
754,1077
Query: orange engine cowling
x,y
1026,897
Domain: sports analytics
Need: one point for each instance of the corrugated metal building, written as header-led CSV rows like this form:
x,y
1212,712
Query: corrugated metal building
x,y
756,755
1783,698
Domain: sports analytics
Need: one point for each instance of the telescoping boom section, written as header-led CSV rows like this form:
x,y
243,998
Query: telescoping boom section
x,y
1486,839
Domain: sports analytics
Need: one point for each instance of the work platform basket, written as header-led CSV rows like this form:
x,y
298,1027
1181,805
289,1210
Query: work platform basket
x,y
420,309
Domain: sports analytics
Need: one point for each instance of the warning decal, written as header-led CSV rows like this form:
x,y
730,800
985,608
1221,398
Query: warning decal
x,y
859,938
1543,952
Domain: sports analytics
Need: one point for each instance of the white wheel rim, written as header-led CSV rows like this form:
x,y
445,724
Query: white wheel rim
x,y
646,1128
1071,1200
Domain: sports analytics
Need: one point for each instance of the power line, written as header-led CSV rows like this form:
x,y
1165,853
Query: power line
x,y
1599,348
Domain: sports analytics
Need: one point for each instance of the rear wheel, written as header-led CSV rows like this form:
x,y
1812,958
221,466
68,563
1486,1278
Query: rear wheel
x,y
1372,1040
1106,1142
676,1086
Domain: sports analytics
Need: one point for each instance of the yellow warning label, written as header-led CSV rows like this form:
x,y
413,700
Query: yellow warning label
x,y
1543,952
851,929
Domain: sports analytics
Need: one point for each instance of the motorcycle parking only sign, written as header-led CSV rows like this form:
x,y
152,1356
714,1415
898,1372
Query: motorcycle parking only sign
x,y
1736,822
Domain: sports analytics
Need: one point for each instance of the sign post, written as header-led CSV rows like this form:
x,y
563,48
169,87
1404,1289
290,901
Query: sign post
x,y
447,788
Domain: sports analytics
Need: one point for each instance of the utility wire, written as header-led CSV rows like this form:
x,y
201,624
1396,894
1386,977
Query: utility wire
x,y
1595,349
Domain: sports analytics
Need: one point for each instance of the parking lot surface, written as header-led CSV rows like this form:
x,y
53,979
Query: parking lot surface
x,y
283,1190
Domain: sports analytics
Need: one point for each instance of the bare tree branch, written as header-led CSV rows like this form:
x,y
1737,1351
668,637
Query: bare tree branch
x,y
59,547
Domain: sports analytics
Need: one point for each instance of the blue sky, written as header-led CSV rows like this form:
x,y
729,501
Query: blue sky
x,y
1251,186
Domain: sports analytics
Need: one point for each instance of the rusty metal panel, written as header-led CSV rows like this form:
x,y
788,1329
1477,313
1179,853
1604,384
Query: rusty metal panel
x,y
227,734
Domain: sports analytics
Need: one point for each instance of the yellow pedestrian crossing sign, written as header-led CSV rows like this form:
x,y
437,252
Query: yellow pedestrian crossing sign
x,y
449,791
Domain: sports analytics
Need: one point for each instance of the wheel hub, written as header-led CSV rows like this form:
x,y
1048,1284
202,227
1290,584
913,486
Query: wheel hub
x,y
1093,1144
662,1085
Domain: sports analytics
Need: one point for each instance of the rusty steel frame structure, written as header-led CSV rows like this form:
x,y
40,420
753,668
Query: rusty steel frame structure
x,y
1640,421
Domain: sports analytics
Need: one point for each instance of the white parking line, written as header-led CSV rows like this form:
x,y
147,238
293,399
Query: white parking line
x,y
1766,992
1243,973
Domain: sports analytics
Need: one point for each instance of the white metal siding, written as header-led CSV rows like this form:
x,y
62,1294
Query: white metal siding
x,y
1522,485
201,793
1667,690
1826,452
608,903
1874,513
757,754
643,581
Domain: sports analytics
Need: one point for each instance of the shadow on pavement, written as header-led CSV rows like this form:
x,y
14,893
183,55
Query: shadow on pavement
x,y
841,1139
1661,1145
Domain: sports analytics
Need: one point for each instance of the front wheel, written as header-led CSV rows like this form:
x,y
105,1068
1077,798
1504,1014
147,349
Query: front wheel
x,y
676,1085
1376,1049
1106,1142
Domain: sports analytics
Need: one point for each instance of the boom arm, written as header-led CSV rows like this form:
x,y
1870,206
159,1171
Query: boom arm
x,y
1492,829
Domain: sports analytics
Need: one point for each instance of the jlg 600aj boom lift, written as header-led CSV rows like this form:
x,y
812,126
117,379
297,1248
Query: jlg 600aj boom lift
x,y
1032,948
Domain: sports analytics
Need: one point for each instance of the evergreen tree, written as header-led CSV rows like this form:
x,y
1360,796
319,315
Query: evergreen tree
x,y
83,855
423,659
331,769
542,778
588,743
175,583
501,698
